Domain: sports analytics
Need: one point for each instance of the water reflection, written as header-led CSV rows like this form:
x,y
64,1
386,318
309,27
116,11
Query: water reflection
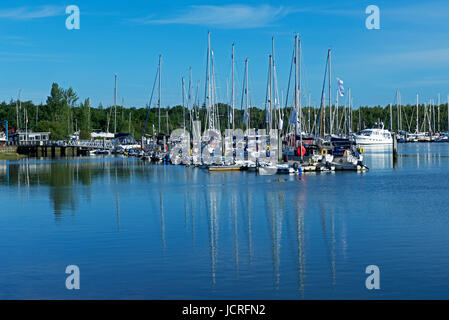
x,y
419,155
232,233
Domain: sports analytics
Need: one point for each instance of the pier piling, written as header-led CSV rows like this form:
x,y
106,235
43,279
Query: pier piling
x,y
395,147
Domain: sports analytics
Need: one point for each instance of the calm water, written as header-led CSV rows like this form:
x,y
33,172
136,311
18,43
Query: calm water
x,y
160,232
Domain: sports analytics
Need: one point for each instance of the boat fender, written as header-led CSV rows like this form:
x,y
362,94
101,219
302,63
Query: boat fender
x,y
295,165
301,151
362,149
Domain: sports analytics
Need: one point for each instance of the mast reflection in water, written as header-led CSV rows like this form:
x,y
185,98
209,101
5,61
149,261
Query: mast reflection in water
x,y
160,232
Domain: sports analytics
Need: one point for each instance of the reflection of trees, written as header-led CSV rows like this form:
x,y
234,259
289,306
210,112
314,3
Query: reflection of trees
x,y
60,180
65,179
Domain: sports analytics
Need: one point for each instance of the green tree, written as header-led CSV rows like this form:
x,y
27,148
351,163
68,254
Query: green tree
x,y
85,128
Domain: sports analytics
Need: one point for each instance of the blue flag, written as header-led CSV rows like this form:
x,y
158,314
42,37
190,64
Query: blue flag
x,y
293,117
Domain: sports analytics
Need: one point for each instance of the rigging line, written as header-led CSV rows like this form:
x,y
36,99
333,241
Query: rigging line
x,y
241,102
289,82
149,105
322,99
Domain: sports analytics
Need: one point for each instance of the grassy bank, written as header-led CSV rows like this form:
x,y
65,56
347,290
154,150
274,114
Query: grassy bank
x,y
11,156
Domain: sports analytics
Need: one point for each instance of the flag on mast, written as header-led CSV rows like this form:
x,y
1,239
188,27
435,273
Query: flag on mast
x,y
293,117
341,89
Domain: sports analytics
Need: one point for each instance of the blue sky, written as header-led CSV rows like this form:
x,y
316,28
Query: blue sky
x,y
410,52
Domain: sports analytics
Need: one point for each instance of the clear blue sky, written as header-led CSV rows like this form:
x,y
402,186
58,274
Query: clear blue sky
x,y
410,52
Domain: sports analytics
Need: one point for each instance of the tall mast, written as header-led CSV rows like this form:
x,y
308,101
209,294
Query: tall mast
x,y
398,107
270,91
189,98
166,116
417,111
183,105
336,110
214,107
391,117
330,96
439,113
299,94
247,94
433,115
274,86
233,89
308,118
159,93
18,102
324,114
296,87
360,120
349,111
207,90
115,105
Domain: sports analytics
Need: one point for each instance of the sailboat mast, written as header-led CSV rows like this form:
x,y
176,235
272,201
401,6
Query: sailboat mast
x,y
18,110
274,88
360,120
417,111
349,112
214,107
308,118
270,91
183,105
330,95
208,88
159,94
299,94
439,113
247,94
336,111
391,117
233,89
115,105
296,87
398,108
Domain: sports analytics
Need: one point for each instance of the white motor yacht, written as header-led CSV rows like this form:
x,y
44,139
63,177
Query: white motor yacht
x,y
374,136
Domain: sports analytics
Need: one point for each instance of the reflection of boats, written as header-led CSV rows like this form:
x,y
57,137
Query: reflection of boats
x,y
103,152
376,136
267,170
232,167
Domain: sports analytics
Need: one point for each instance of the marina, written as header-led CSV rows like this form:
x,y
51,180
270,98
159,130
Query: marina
x,y
222,155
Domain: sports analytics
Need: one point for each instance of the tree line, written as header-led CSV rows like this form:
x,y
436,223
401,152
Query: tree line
x,y
64,113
